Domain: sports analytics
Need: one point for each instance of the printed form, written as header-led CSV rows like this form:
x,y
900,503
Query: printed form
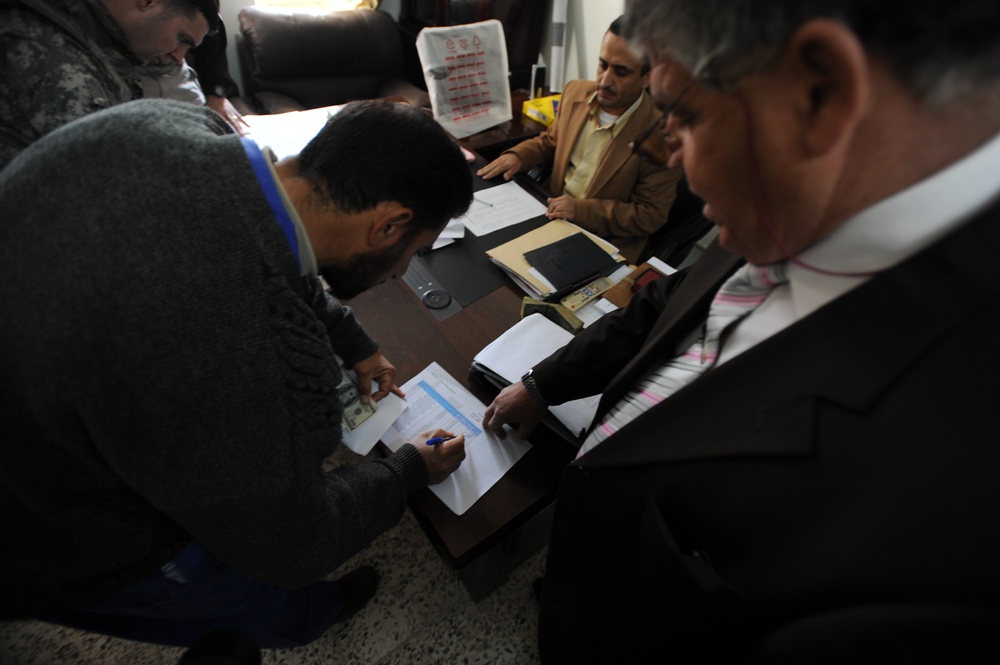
x,y
498,207
436,400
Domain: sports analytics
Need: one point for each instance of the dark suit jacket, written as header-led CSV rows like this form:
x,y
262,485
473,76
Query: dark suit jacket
x,y
628,199
848,463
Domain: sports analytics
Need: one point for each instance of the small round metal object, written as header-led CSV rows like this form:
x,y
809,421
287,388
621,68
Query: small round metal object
x,y
436,299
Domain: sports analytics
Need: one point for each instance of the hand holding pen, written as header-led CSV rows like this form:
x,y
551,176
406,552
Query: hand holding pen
x,y
442,451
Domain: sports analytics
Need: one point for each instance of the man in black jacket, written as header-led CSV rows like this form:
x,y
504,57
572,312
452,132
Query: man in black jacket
x,y
818,488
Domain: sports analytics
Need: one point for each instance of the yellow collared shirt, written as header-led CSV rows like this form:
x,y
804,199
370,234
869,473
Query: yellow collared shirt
x,y
591,146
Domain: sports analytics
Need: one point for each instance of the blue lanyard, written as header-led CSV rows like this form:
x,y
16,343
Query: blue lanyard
x,y
266,180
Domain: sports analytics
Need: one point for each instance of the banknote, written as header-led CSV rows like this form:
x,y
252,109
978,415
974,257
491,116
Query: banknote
x,y
355,412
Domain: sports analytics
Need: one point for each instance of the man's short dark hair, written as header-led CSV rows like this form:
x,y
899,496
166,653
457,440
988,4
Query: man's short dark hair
x,y
375,151
616,26
208,8
616,29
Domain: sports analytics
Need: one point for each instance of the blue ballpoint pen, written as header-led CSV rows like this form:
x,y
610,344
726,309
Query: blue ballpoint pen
x,y
439,440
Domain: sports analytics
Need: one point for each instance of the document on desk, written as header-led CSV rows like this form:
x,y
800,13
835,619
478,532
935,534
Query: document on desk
x,y
288,133
454,230
524,345
499,207
436,400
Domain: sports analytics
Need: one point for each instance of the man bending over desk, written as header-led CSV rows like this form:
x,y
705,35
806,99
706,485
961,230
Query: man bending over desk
x,y
63,59
596,182
168,379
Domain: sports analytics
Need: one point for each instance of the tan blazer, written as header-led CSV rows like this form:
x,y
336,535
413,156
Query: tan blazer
x,y
628,198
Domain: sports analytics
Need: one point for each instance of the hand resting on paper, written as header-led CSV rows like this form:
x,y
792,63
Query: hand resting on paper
x,y
507,164
376,368
443,459
514,406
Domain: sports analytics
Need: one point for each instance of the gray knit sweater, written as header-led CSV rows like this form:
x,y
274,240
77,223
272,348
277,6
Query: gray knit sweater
x,y
165,373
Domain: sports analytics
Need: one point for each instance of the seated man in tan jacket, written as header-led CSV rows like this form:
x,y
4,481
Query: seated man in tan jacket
x,y
596,182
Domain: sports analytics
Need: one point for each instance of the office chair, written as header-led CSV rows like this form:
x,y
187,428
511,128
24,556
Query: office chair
x,y
292,62
685,226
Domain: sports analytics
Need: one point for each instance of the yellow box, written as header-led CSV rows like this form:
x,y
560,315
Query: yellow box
x,y
542,109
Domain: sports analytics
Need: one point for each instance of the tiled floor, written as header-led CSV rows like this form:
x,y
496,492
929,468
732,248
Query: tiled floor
x,y
421,615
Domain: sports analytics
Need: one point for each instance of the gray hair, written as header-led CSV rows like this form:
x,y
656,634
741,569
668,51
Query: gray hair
x,y
939,49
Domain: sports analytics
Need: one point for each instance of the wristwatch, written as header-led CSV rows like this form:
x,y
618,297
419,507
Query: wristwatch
x,y
533,392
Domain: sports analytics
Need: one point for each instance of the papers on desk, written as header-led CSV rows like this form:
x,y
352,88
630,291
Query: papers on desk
x,y
528,342
288,133
436,400
454,230
499,207
512,257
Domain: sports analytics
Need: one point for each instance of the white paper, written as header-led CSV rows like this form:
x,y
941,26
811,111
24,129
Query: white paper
x,y
524,345
436,400
368,433
528,342
452,232
288,133
454,229
499,207
661,265
594,310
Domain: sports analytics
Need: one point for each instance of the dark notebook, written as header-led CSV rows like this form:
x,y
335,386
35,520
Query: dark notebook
x,y
570,261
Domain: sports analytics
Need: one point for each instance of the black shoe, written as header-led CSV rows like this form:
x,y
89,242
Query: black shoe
x,y
222,647
358,587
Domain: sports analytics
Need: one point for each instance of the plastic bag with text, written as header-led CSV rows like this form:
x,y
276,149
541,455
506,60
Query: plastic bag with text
x,y
465,67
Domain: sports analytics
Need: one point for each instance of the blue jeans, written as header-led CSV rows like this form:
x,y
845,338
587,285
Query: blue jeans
x,y
196,594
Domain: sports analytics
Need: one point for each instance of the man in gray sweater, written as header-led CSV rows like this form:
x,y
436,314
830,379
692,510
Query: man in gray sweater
x,y
168,379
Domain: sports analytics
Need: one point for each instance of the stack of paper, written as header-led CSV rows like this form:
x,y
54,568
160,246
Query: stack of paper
x,y
555,259
529,341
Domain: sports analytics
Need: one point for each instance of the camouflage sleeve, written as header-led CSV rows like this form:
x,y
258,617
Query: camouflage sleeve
x,y
47,80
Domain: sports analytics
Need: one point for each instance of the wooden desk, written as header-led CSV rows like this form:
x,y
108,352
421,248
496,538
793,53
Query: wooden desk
x,y
509,523
491,142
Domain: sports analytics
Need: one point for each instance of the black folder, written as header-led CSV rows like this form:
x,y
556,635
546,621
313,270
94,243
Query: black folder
x,y
571,261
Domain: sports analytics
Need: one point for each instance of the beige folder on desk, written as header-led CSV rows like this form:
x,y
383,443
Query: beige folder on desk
x,y
510,255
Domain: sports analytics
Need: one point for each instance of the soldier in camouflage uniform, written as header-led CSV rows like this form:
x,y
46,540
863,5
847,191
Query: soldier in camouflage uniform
x,y
63,59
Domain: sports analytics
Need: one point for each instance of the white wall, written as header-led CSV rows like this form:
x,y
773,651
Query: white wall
x,y
229,10
586,23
